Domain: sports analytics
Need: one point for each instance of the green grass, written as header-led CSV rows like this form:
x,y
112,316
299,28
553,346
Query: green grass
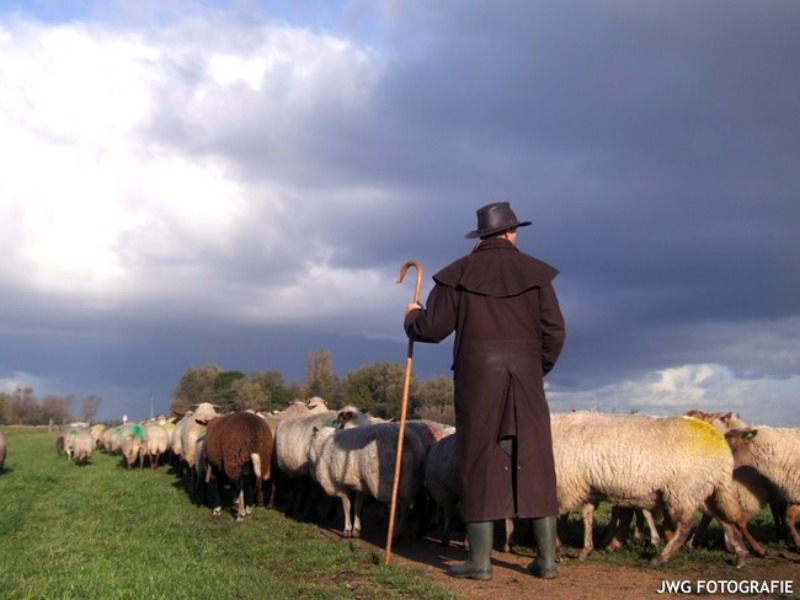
x,y
101,531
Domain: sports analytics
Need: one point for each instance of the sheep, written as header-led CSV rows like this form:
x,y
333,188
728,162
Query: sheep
x,y
2,451
753,491
97,431
82,444
189,433
238,446
775,454
156,443
680,464
442,480
61,447
131,443
290,455
362,459
177,446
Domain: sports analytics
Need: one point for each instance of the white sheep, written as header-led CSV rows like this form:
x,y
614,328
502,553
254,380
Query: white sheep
x,y
156,443
679,464
775,453
189,433
363,459
81,443
290,456
131,444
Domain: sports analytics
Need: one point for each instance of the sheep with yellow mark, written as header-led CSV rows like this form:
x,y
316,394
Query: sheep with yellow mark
x,y
677,464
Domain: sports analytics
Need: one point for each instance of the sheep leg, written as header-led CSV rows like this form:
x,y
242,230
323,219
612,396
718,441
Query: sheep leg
x,y
348,524
778,509
734,538
588,523
510,526
699,535
655,539
359,504
792,514
757,548
241,510
618,528
681,534
447,512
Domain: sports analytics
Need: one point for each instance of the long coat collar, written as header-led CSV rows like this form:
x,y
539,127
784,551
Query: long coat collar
x,y
496,268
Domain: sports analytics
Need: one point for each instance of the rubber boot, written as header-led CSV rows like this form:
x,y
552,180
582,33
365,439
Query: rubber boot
x,y
544,532
478,566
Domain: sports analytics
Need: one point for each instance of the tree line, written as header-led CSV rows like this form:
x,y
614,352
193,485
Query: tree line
x,y
23,407
376,388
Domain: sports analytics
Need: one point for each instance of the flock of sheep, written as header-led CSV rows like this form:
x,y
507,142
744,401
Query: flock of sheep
x,y
654,468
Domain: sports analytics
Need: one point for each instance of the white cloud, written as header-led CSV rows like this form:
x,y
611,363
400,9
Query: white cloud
x,y
673,391
100,198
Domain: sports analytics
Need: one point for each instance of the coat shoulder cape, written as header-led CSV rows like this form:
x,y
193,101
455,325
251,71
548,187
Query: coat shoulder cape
x,y
498,270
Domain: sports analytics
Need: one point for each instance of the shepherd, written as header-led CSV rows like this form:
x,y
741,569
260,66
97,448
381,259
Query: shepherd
x,y
509,332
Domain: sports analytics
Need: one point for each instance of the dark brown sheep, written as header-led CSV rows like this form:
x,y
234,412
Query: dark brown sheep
x,y
238,446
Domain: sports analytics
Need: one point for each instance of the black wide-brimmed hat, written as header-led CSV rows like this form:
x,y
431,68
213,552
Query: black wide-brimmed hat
x,y
494,218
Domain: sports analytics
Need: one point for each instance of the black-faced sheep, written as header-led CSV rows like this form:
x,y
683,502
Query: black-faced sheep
x,y
238,446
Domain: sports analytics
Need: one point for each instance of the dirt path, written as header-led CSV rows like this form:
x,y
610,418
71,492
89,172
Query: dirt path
x,y
595,578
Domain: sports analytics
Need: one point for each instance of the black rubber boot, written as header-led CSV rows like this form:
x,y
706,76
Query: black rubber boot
x,y
478,566
544,532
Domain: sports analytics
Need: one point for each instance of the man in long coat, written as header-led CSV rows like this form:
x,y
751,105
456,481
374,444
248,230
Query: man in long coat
x,y
509,332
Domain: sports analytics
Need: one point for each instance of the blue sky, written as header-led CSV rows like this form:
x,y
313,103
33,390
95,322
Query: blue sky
x,y
239,183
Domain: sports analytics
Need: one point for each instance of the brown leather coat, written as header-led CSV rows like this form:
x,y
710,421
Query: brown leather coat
x,y
509,333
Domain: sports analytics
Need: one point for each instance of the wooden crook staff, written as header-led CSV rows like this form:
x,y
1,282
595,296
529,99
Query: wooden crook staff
x,y
403,409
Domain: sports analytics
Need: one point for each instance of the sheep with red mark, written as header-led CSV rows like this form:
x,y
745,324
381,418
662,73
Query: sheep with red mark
x,y
238,446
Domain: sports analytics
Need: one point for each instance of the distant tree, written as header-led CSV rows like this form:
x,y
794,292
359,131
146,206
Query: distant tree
x,y
57,408
89,406
24,406
249,395
436,400
378,388
271,382
195,386
320,378
4,407
225,389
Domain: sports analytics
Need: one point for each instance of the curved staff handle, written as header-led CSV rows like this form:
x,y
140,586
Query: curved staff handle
x,y
403,409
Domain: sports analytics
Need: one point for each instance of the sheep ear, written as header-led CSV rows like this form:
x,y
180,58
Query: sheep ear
x,y
750,434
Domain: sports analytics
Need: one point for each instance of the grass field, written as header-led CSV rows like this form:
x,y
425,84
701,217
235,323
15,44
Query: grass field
x,y
101,531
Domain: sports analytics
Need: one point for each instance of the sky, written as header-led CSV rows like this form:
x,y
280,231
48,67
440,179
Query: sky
x,y
240,182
